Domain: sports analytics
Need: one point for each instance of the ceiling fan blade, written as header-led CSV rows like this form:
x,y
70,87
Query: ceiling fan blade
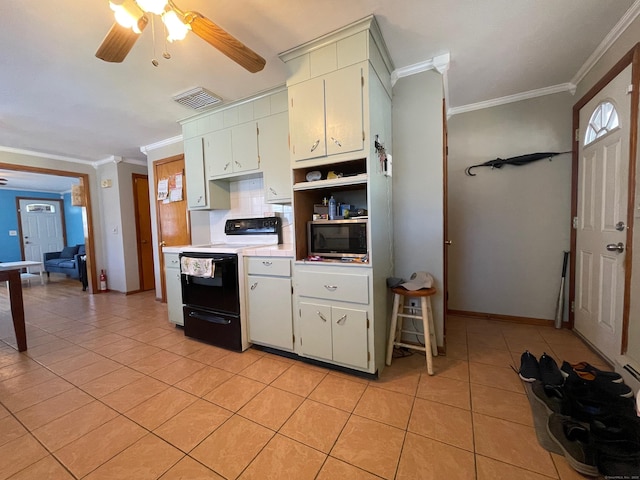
x,y
119,41
227,44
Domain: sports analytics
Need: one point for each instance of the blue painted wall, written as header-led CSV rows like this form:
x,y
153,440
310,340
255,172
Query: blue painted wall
x,y
10,245
73,219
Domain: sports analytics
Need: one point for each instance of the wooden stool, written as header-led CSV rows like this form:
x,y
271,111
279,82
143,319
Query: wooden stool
x,y
423,312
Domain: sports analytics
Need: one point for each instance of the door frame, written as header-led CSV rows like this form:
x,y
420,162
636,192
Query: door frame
x,y
158,246
89,234
632,57
63,224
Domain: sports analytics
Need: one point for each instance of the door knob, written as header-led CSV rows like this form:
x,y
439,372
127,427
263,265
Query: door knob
x,y
448,242
616,247
162,244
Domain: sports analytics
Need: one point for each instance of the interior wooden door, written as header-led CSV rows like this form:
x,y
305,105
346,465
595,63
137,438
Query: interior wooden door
x,y
143,231
172,213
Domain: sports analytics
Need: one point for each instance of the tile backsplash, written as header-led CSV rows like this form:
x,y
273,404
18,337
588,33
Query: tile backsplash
x,y
248,201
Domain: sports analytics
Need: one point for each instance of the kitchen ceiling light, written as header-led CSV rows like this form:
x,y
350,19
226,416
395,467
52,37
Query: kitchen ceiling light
x,y
176,28
127,13
153,6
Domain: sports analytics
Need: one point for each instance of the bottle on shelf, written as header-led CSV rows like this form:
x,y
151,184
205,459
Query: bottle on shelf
x,y
332,208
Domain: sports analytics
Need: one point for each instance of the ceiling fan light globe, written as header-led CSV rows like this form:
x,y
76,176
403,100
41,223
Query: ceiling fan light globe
x,y
176,28
127,13
152,6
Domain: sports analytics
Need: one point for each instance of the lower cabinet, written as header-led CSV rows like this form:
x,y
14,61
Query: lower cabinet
x,y
334,333
173,287
269,302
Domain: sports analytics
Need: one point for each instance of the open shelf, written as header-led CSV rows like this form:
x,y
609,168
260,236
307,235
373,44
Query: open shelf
x,y
332,182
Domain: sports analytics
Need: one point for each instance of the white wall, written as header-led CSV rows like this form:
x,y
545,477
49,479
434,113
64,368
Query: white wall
x,y
509,226
418,181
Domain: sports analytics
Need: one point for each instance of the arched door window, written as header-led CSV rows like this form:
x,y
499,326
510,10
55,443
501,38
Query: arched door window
x,y
603,120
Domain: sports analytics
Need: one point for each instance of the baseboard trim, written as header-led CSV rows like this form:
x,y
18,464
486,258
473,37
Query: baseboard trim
x,y
502,318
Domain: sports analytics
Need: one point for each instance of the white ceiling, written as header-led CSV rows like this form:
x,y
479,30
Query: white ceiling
x,y
36,182
56,97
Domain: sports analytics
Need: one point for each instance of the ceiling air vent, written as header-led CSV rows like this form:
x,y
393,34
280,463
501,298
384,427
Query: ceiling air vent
x,y
197,98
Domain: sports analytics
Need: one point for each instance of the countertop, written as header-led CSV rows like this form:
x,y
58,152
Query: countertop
x,y
282,250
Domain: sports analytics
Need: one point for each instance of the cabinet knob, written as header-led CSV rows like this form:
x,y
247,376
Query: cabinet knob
x,y
266,263
227,165
342,319
336,141
315,145
273,192
331,288
322,317
253,287
238,163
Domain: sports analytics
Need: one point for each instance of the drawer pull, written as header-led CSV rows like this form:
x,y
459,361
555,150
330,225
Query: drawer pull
x,y
336,141
253,287
238,163
322,317
331,288
227,165
342,319
315,145
273,192
267,263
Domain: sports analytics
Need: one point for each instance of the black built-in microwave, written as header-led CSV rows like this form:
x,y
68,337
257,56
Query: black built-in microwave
x,y
337,238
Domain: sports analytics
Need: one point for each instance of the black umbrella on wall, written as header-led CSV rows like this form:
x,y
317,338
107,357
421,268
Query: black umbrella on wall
x,y
519,160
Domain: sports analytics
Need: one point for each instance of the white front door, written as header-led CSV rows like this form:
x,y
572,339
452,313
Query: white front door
x,y
603,170
41,223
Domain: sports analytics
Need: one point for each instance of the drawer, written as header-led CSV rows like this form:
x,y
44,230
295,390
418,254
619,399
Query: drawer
x,y
334,286
171,260
278,267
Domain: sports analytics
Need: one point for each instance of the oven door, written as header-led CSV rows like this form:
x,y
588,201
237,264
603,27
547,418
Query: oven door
x,y
219,293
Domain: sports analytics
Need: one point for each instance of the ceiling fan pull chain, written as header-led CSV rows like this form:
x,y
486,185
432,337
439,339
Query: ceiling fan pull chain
x,y
154,61
166,53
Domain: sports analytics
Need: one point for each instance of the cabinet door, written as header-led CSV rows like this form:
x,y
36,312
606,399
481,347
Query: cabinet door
x,y
349,336
306,119
244,145
344,110
174,295
194,173
274,157
270,316
315,330
218,153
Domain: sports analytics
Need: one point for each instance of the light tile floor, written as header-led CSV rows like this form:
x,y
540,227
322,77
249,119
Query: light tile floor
x,y
110,390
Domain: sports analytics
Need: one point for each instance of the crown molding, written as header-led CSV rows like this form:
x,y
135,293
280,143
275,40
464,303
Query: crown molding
x,y
50,156
612,36
439,63
563,87
162,143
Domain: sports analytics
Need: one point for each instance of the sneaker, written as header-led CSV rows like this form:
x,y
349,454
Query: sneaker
x,y
617,445
599,382
529,368
588,372
585,403
549,371
550,396
574,440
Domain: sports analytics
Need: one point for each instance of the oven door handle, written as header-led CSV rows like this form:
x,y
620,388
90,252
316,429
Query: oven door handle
x,y
210,318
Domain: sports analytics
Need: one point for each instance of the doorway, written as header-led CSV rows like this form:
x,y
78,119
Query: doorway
x,y
142,211
42,227
87,215
604,164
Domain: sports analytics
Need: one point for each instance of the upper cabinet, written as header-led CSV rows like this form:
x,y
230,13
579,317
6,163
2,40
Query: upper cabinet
x,y
330,93
326,114
245,139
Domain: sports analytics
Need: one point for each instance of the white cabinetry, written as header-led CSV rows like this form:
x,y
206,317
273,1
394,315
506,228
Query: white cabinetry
x,y
273,134
269,302
232,151
333,311
173,287
326,114
201,193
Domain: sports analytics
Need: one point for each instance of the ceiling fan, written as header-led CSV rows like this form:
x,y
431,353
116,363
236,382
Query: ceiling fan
x,y
132,16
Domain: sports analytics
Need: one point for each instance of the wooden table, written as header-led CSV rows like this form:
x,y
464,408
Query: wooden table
x,y
12,276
